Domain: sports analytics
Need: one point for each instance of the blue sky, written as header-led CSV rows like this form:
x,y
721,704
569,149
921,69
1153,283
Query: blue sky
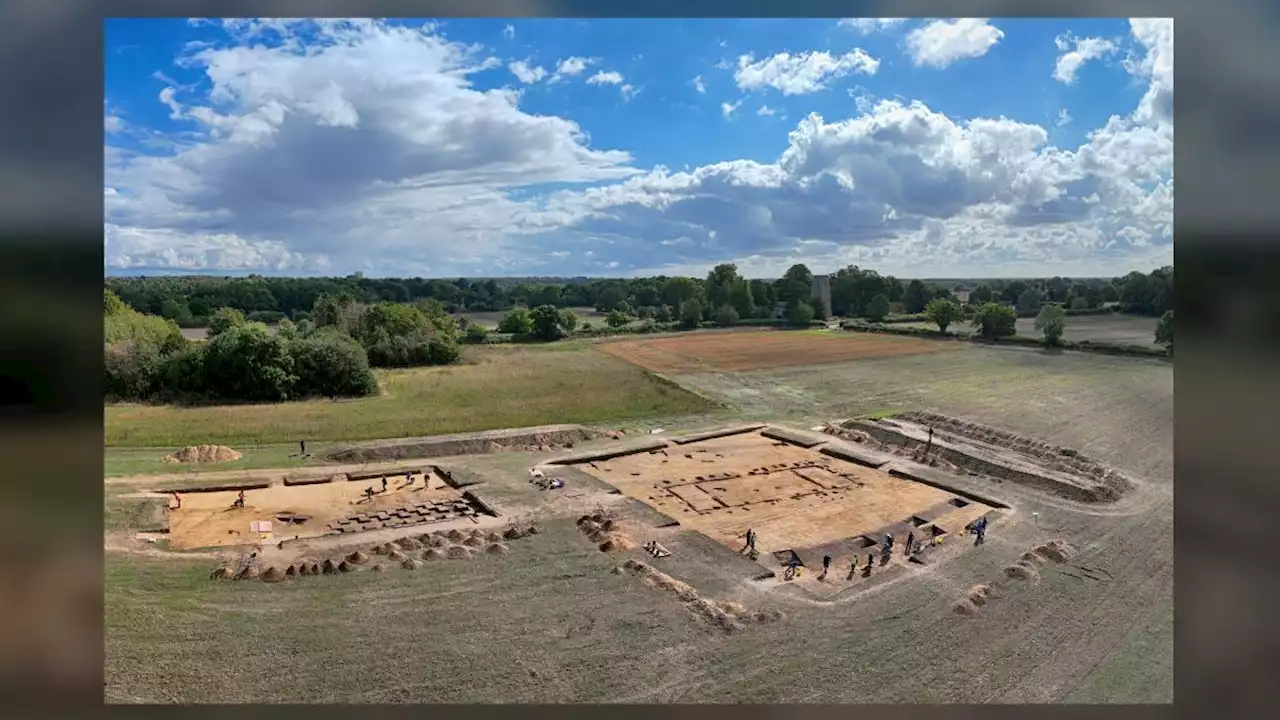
x,y
621,147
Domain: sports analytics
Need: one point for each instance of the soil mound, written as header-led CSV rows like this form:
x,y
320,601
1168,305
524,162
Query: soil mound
x,y
433,554
473,542
608,525
532,530
767,616
455,535
395,556
616,543
408,544
589,527
733,608
1023,571
378,568
493,537
458,552
357,558
965,607
513,533
978,594
249,573
1056,550
411,564
291,571
222,573
497,549
272,575
202,454
438,541
314,569
345,567
328,568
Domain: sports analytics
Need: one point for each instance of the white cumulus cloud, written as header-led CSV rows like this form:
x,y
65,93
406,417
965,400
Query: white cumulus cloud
x,y
802,73
1076,52
940,43
525,73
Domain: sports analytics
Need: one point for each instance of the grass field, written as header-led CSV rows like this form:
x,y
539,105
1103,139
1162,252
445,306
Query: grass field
x,y
501,387
569,631
1115,329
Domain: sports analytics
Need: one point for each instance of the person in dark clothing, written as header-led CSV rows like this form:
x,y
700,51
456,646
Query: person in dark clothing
x,y
826,567
239,503
981,529
853,568
302,448
792,568
384,484
870,562
911,539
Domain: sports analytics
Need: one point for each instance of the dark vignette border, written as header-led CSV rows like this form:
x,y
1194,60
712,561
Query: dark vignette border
x,y
1228,149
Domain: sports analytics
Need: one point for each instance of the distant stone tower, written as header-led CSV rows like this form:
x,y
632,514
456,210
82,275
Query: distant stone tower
x,y
820,291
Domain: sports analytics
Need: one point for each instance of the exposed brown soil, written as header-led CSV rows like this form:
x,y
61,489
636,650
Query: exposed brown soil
x,y
357,558
328,567
433,554
497,549
249,573
473,542
222,573
1023,571
345,567
273,575
457,552
411,564
202,454
746,351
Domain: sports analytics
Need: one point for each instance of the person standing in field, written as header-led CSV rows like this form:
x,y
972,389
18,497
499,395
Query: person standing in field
x,y
302,448
853,568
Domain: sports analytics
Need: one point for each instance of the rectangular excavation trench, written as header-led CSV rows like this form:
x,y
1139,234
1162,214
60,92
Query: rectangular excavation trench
x,y
800,501
333,505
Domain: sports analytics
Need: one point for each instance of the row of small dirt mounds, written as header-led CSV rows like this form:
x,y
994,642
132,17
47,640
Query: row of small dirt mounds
x,y
602,529
727,616
1026,569
202,454
1055,457
409,553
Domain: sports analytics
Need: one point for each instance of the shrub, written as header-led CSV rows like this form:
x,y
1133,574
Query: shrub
x,y
477,333
130,370
995,321
1078,303
1051,321
1029,302
568,320
548,323
517,321
942,312
270,317
247,362
332,364
616,319
224,319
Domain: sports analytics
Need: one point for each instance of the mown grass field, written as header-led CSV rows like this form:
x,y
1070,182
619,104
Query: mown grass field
x,y
498,387
569,631
1115,329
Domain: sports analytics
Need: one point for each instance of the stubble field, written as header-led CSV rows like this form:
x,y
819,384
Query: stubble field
x,y
570,631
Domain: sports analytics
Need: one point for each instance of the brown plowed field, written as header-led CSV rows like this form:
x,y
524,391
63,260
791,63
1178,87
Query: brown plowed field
x,y
743,351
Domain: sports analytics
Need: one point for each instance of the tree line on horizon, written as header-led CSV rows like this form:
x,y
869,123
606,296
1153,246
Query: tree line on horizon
x,y
191,301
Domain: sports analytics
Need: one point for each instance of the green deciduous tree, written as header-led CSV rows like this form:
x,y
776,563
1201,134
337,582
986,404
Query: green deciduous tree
x,y
943,312
1164,330
616,319
330,363
247,362
1029,302
224,319
517,321
877,308
916,297
691,314
995,321
548,323
1051,322
799,313
725,315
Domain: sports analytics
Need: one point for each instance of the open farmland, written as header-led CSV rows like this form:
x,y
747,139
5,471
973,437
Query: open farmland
x,y
499,387
744,351
1116,329
1095,627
